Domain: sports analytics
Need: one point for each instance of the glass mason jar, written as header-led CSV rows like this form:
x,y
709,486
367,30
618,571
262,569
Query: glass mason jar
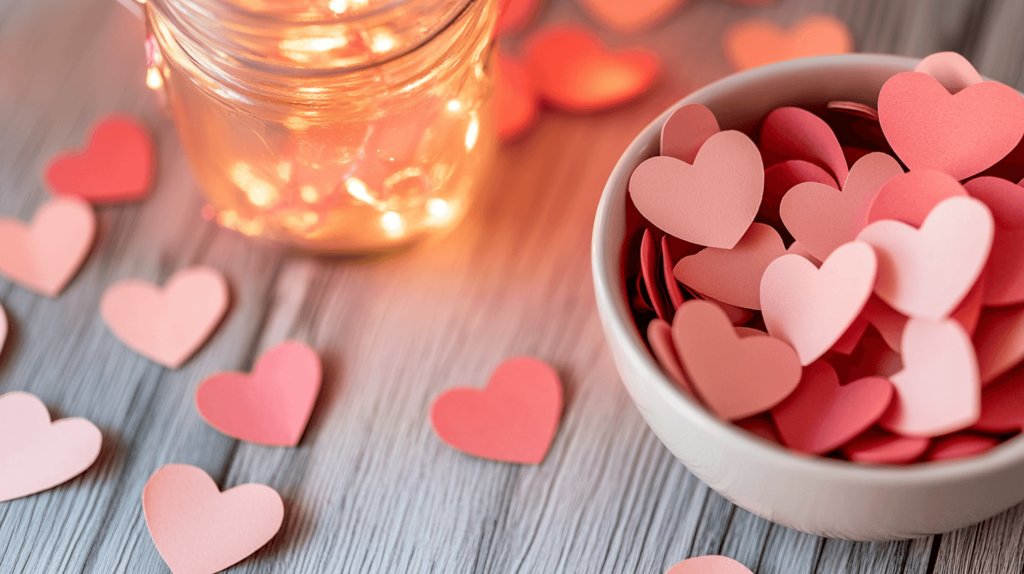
x,y
338,126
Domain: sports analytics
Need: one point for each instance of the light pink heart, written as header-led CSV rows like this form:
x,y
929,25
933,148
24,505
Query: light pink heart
x,y
167,325
927,272
686,130
822,218
910,197
36,454
44,255
999,342
811,308
939,389
200,530
710,203
709,565
951,70
795,133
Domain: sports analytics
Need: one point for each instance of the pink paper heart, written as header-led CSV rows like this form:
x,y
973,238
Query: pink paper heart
x,y
811,308
167,325
887,321
968,313
910,197
200,530
1004,198
37,455
796,248
960,134
710,203
851,338
46,254
939,390
686,130
659,335
959,445
1002,406
875,447
754,43
784,176
795,133
709,565
514,419
271,406
733,276
649,265
675,294
999,342
951,70
822,218
821,415
1004,272
736,377
928,272
629,17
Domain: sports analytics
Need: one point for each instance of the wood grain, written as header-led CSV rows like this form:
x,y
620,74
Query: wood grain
x,y
370,488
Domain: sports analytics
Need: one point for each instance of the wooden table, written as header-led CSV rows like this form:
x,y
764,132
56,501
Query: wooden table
x,y
370,488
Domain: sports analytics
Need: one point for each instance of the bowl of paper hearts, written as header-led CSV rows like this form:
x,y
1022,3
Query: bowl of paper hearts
x,y
811,278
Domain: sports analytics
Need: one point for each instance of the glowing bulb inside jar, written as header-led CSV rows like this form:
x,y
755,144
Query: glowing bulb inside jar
x,y
472,132
437,207
153,79
382,41
392,224
357,189
454,106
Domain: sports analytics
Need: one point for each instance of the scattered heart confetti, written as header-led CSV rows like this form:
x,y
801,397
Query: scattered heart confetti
x,y
629,17
271,406
755,43
999,342
515,98
686,130
960,445
167,325
514,419
44,255
573,71
733,276
1002,406
36,454
795,133
116,167
710,564
200,530
884,448
951,70
910,197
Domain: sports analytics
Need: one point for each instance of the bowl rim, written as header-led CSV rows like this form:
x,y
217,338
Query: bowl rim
x,y
610,302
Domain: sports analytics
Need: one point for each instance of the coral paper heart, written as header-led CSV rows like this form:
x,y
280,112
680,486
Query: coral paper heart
x,y
1003,197
710,564
821,415
649,266
795,133
999,342
875,447
629,17
736,377
811,308
514,419
272,405
712,202
35,454
1002,406
960,134
686,130
822,218
200,530
756,42
116,167
733,276
928,272
167,325
939,390
515,98
951,70
960,445
910,197
46,254
575,72
1004,272
784,176
659,335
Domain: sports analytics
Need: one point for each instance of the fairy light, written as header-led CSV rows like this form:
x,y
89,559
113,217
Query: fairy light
x,y
472,132
454,106
437,207
342,6
357,189
392,223
309,194
382,41
153,79
259,192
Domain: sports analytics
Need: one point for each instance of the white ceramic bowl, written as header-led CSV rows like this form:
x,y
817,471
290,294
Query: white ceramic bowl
x,y
813,494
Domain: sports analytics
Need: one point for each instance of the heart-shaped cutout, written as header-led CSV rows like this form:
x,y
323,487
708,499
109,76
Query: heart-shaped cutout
x,y
46,254
795,133
951,70
711,202
200,530
939,389
960,134
686,130
675,294
514,419
709,565
927,272
515,98
1002,406
959,445
167,325
910,197
811,308
1004,272
762,426
999,342
784,176
629,17
36,454
755,43
735,377
659,335
1004,198
874,447
272,405
649,267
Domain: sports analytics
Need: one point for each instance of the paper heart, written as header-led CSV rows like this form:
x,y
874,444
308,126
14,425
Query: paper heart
x,y
876,447
910,197
939,390
1002,406
951,70
659,335
200,530
822,218
629,17
796,248
686,130
784,176
649,265
736,377
514,419
36,454
821,415
872,358
271,406
1004,272
675,294
44,255
1004,198
811,308
515,15
515,98
959,445
928,272
709,565
711,202
762,426
117,166
968,313
960,134
795,133
755,43
857,109
851,338
999,342
167,325
733,276
575,72
887,321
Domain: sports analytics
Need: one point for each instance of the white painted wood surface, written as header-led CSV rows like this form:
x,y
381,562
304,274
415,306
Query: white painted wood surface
x,y
370,488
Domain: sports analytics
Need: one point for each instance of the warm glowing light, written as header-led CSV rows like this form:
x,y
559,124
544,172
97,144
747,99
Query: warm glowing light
x,y
472,132
382,41
309,194
357,189
153,79
342,6
251,228
259,192
454,106
300,223
228,218
437,207
295,123
284,170
392,223
293,46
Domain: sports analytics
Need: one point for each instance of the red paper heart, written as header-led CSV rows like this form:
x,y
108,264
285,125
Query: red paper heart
x,y
784,176
959,445
910,197
1004,198
686,130
649,266
515,98
795,133
960,134
1002,406
116,167
675,294
629,17
951,70
999,342
659,335
514,419
755,43
44,255
876,447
